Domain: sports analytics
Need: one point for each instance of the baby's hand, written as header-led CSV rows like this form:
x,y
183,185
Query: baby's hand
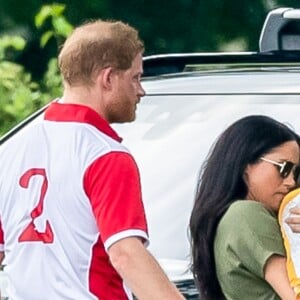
x,y
294,220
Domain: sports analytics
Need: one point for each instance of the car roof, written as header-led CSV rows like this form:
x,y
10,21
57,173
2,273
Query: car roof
x,y
269,80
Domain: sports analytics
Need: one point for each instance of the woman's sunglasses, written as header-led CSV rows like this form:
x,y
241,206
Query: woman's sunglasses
x,y
285,168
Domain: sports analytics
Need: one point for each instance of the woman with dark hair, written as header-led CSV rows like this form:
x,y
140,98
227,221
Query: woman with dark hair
x,y
237,248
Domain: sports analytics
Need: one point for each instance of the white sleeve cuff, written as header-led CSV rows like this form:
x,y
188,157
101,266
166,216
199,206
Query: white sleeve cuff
x,y
124,234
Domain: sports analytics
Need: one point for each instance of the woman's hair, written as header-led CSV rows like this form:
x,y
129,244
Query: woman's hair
x,y
221,183
97,45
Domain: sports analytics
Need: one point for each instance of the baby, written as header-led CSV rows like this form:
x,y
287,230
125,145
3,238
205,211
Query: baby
x,y
291,239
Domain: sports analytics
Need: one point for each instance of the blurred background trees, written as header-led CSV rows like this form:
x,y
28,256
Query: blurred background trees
x,y
31,32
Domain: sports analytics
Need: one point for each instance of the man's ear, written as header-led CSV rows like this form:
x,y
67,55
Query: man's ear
x,y
105,78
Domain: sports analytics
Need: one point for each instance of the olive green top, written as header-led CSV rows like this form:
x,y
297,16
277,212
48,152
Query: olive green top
x,y
247,235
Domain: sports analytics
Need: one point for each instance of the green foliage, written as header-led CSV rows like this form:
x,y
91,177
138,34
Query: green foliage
x,y
51,85
61,28
14,42
20,95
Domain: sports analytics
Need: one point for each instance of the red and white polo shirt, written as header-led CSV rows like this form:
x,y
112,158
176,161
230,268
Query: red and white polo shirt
x,y
68,191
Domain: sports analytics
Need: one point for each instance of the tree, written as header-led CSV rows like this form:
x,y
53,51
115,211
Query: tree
x,y
165,26
20,94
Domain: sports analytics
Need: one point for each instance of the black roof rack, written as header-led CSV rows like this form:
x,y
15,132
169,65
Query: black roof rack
x,y
176,63
281,30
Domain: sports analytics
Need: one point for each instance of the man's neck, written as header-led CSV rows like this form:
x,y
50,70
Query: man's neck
x,y
83,96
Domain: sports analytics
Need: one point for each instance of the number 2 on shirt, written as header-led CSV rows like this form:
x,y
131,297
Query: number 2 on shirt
x,y
30,234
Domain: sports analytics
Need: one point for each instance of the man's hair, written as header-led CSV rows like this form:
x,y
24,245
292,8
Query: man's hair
x,y
97,45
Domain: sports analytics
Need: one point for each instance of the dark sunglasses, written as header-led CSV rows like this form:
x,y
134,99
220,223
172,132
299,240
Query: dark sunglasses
x,y
285,168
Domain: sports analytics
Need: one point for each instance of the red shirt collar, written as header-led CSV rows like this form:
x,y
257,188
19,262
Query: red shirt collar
x,y
65,112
